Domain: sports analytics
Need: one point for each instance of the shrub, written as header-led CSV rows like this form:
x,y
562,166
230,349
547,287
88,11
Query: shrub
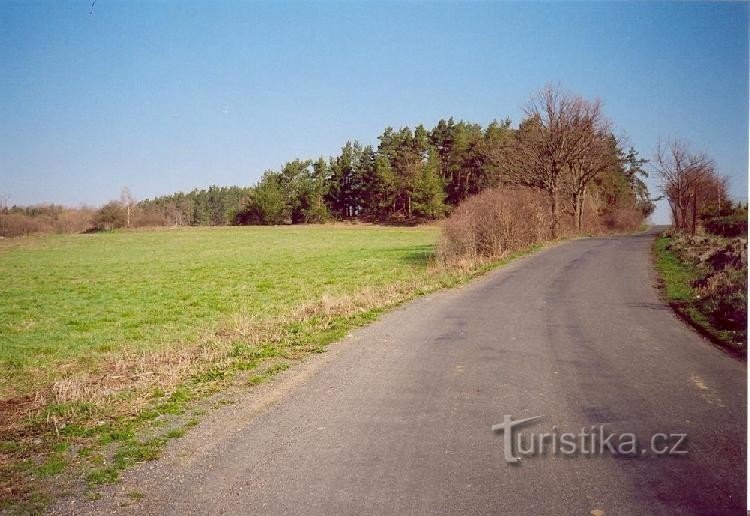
x,y
731,226
48,218
720,284
622,219
494,223
266,206
147,217
110,216
74,220
18,224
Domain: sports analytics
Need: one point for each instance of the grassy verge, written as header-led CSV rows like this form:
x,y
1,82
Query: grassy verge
x,y
680,278
114,344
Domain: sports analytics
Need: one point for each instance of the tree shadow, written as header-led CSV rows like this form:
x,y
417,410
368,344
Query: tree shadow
x,y
417,254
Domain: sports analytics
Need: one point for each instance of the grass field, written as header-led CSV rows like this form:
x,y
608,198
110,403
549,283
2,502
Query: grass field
x,y
71,300
108,340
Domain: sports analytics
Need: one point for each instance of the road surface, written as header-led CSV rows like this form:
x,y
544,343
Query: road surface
x,y
397,418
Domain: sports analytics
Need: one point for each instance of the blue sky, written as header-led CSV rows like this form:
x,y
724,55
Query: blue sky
x,y
164,96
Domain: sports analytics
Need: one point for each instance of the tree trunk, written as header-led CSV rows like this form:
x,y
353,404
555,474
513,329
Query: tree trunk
x,y
694,214
578,200
555,211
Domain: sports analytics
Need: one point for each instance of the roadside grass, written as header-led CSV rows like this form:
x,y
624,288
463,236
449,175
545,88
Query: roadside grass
x,y
109,343
678,278
676,275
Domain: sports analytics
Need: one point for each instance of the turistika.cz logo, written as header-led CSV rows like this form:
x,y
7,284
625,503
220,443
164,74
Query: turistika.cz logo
x,y
592,440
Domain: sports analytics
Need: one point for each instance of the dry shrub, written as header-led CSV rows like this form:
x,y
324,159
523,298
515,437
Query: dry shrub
x,y
147,217
74,220
24,221
18,224
622,219
720,265
494,223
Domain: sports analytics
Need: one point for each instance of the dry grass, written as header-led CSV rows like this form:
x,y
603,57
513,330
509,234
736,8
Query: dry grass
x,y
118,397
138,373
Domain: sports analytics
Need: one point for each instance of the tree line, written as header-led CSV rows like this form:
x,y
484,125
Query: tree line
x,y
564,147
697,194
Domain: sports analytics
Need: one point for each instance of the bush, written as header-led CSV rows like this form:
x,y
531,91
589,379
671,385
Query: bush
x,y
622,219
147,217
494,223
110,216
266,206
18,224
74,220
23,221
731,226
720,284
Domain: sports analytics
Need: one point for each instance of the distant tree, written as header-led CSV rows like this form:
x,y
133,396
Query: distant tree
x,y
491,153
429,192
304,187
687,179
268,204
406,151
560,145
128,201
343,194
316,187
213,206
462,149
372,185
636,173
111,216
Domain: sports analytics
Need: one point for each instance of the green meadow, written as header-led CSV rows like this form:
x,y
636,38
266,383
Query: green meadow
x,y
72,299
111,344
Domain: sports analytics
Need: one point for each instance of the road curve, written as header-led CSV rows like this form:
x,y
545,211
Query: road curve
x,y
397,418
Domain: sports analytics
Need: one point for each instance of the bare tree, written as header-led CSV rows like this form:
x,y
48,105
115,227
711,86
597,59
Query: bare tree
x,y
4,198
559,146
594,152
128,201
685,178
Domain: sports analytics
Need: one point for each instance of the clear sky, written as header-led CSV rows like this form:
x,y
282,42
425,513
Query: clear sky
x,y
164,96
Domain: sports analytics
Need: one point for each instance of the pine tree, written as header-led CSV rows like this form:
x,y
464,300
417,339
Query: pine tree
x,y
429,193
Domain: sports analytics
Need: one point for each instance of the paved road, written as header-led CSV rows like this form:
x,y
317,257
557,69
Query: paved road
x,y
396,419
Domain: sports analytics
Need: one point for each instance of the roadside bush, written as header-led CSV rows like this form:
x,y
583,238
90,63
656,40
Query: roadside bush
x,y
720,283
494,223
731,226
723,298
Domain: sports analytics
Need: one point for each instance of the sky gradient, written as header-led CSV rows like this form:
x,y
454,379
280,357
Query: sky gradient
x,y
165,96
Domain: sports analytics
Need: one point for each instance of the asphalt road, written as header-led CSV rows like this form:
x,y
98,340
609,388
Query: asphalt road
x,y
397,418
